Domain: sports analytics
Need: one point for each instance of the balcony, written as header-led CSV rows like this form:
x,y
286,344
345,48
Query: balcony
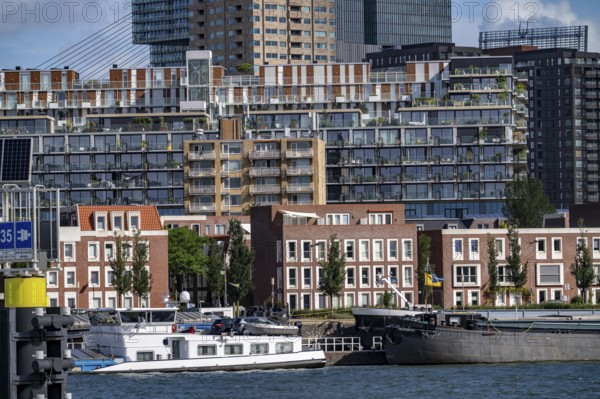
x,y
198,156
208,207
301,171
300,188
265,172
265,189
208,172
197,190
265,154
308,153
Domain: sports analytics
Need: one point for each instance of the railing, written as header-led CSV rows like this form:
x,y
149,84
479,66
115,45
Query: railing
x,y
300,188
340,344
209,172
301,171
299,153
93,84
265,189
194,190
265,154
254,172
202,207
197,156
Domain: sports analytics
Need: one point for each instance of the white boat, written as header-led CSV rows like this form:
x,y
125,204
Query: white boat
x,y
146,340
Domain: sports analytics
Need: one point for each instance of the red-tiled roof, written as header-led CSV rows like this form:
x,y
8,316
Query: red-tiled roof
x,y
149,217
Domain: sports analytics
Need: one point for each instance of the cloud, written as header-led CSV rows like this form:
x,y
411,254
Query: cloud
x,y
471,17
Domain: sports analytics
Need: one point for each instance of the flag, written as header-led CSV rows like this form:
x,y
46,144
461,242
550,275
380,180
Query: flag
x,y
432,280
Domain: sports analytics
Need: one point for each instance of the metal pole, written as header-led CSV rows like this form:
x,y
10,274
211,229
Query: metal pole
x,y
462,279
272,292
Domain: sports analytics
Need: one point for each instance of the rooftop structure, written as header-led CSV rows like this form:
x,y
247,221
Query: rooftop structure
x,y
573,37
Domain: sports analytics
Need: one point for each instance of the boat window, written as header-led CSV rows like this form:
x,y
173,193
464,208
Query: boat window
x,y
235,349
284,347
104,318
133,317
259,349
163,316
207,350
144,356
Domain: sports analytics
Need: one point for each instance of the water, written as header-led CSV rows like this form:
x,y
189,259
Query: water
x,y
556,380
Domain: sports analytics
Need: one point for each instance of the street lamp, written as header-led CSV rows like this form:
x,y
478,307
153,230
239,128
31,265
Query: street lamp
x,y
272,292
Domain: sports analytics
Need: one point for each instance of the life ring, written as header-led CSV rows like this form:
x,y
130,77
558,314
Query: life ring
x,y
174,328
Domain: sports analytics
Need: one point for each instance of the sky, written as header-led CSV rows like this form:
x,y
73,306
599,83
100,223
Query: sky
x,y
33,31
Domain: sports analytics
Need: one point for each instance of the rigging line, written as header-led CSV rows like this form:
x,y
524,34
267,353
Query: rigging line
x,y
137,52
78,55
94,69
84,40
100,47
106,52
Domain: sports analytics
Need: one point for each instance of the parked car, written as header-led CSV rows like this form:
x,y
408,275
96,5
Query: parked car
x,y
221,326
261,326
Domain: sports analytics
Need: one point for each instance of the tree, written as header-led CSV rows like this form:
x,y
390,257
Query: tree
x,y
215,268
121,279
583,269
517,273
424,243
241,259
186,255
245,68
492,264
333,271
526,204
141,277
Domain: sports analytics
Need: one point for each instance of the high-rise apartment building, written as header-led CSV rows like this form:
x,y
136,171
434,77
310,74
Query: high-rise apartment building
x,y
261,32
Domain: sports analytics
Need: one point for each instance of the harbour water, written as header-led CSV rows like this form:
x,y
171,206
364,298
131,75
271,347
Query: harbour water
x,y
524,380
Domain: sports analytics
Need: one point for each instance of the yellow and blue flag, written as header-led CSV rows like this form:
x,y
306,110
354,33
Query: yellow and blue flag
x,y
432,280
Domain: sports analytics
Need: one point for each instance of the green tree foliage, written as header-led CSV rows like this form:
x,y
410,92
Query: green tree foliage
x,y
241,259
245,68
517,273
526,204
122,279
583,268
492,263
186,255
215,267
424,243
333,271
141,277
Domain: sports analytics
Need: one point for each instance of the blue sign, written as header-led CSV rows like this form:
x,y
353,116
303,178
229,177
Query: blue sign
x,y
16,235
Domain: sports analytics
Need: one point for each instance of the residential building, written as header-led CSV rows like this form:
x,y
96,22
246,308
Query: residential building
x,y
573,37
88,243
461,257
289,242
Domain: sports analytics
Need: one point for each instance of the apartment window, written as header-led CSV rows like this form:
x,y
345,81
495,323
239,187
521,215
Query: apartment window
x,y
465,275
550,274
474,298
540,248
338,218
69,249
380,218
393,275
117,221
503,274
93,251
306,277
71,303
378,275
364,276
378,250
556,248
109,251
110,275
292,277
350,277
474,249
407,252
457,248
392,249
279,251
70,278
134,221
458,298
349,250
557,295
221,229
306,247
407,272
95,277
52,279
100,221
291,250
596,245
322,250
364,250
349,300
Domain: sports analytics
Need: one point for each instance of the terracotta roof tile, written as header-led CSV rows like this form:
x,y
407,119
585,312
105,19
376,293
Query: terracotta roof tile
x,y
150,219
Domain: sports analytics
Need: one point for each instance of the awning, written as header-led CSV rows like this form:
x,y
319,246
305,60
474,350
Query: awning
x,y
301,214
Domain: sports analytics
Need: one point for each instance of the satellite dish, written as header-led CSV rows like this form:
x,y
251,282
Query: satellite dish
x,y
184,297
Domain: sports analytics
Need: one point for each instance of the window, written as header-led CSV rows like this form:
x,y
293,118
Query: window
x,y
207,350
392,249
473,298
474,249
500,247
52,279
101,221
349,250
503,274
321,250
338,218
458,298
596,247
134,220
109,251
378,250
407,272
292,278
234,349
70,278
306,247
350,278
540,248
259,349
306,278
284,347
457,249
69,249
364,250
117,221
465,275
550,274
378,275
556,248
291,250
93,251
364,276
110,275
94,277
407,253
380,218
144,356
349,299
393,274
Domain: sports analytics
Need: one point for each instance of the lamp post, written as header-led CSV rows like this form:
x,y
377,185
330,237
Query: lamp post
x,y
272,292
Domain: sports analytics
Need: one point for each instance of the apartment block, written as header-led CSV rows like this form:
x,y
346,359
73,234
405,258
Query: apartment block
x,y
289,242
228,177
461,257
84,279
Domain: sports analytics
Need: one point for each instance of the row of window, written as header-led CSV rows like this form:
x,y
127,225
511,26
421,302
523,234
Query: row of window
x,y
368,276
94,300
93,251
349,299
70,277
376,250
117,220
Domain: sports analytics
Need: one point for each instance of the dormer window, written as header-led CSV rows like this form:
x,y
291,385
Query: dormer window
x,y
117,220
100,219
134,221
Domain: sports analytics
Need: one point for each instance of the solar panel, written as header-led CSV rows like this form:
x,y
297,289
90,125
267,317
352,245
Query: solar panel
x,y
15,164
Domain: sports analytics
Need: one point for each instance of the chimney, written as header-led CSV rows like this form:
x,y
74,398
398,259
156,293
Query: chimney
x,y
18,68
